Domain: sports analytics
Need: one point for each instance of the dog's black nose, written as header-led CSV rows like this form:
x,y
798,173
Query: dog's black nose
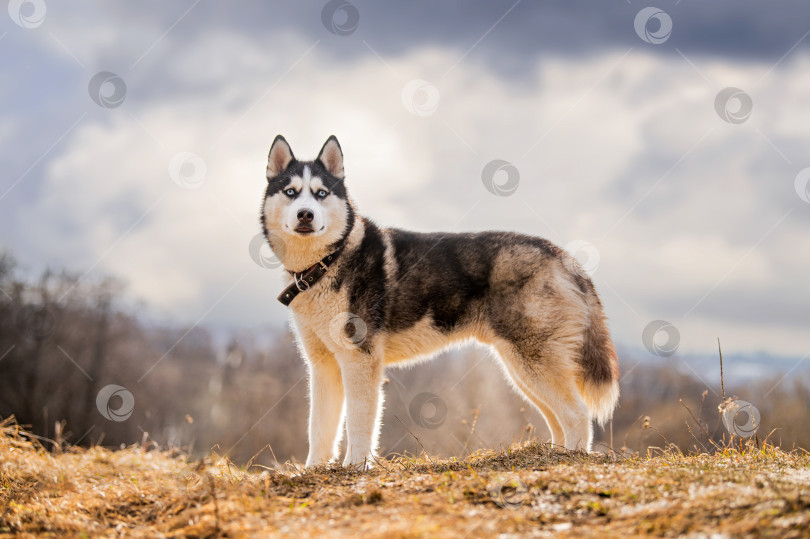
x,y
305,216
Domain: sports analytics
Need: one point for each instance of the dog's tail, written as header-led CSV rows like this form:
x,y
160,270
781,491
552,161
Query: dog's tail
x,y
599,383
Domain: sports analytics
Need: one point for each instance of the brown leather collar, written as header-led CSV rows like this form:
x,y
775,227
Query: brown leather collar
x,y
303,280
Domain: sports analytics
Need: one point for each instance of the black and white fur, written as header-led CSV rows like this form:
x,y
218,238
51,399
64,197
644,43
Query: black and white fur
x,y
395,296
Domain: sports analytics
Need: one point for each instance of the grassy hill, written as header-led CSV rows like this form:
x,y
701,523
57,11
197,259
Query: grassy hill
x,y
525,490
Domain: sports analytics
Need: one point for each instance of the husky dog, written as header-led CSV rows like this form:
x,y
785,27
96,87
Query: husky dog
x,y
364,297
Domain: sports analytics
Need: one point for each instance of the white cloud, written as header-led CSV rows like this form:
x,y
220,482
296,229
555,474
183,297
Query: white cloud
x,y
587,150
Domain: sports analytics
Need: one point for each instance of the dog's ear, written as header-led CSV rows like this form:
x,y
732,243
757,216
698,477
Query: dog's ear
x,y
280,157
331,157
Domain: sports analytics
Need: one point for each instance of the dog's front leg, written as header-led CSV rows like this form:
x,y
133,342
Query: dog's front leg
x,y
325,402
362,383
326,410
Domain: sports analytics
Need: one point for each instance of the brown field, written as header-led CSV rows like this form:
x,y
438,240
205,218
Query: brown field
x,y
526,490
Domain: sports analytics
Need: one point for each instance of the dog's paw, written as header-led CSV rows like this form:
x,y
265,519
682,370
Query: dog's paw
x,y
363,465
315,463
320,458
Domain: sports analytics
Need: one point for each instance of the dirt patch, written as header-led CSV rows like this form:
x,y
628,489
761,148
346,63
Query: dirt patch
x,y
527,490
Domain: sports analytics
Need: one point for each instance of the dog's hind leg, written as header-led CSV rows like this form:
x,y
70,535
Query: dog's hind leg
x,y
554,388
325,401
572,413
557,433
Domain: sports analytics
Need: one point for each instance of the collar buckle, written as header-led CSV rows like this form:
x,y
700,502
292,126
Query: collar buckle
x,y
300,282
304,280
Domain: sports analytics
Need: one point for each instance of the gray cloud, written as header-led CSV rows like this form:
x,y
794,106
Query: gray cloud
x,y
534,81
729,28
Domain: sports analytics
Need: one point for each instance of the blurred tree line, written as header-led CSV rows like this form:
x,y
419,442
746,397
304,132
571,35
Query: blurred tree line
x,y
64,342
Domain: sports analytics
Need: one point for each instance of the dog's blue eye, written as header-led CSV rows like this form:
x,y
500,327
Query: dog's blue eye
x,y
322,194
290,192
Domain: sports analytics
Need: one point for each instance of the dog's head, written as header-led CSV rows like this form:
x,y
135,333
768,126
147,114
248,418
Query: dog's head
x,y
306,205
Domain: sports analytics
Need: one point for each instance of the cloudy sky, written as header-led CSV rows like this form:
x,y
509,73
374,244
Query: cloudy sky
x,y
134,142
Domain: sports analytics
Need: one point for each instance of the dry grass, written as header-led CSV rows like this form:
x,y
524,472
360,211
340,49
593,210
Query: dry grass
x,y
528,489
